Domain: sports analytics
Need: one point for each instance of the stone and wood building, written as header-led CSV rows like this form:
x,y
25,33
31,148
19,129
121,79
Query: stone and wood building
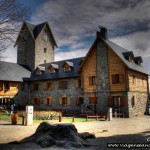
x,y
108,76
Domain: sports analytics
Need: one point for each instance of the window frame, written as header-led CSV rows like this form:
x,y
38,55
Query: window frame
x,y
117,79
63,86
92,80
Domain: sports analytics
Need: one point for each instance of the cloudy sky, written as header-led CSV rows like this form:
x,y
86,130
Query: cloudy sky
x,y
74,24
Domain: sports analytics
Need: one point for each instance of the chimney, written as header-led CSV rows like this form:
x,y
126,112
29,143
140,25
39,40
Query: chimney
x,y
102,33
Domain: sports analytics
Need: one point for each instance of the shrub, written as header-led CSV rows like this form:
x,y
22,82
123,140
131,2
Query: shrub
x,y
42,115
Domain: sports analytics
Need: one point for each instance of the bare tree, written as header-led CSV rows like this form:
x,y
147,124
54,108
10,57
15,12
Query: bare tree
x,y
12,13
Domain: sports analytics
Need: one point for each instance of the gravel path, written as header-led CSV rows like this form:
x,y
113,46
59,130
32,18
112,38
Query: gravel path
x,y
119,130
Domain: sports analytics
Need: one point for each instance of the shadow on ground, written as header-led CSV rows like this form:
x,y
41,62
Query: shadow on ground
x,y
97,144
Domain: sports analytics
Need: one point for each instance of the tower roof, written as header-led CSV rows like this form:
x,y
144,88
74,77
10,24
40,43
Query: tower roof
x,y
36,29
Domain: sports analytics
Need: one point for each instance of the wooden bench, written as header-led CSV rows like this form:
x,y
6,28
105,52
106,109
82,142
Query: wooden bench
x,y
118,115
96,117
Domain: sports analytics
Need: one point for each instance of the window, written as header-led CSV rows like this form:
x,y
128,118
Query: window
x,y
34,86
92,100
48,101
64,101
38,71
36,101
49,85
51,70
79,101
92,80
44,50
6,86
1,86
116,101
133,101
67,68
134,79
117,79
78,83
44,61
62,84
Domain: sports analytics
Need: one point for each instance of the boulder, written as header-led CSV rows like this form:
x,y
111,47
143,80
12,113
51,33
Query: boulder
x,y
62,135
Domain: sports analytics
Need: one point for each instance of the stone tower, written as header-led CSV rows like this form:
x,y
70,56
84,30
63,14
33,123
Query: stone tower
x,y
35,45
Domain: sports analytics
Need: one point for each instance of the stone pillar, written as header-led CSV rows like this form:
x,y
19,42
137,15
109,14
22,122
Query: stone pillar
x,y
103,77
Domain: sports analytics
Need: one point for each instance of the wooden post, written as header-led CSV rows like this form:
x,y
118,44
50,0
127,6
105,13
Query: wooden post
x,y
73,118
86,117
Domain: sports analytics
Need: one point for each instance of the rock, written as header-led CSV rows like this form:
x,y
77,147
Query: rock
x,y
62,135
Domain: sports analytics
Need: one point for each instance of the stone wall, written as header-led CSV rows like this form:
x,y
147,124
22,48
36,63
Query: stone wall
x,y
40,44
139,106
103,78
26,50
71,92
22,97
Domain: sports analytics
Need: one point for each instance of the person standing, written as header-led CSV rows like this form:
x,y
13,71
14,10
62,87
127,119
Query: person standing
x,y
12,109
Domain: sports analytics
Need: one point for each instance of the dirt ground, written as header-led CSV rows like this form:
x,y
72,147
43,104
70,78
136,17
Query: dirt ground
x,y
119,130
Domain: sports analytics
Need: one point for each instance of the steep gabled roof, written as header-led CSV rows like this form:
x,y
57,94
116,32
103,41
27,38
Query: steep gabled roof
x,y
13,72
36,29
119,51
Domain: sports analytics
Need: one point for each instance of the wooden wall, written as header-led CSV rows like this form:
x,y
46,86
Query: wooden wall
x,y
116,66
139,85
89,69
13,89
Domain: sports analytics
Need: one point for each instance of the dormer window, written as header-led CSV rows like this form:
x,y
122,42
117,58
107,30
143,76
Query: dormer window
x,y
52,68
68,66
128,56
138,60
39,70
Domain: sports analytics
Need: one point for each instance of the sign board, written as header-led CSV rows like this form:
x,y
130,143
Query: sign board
x,y
29,109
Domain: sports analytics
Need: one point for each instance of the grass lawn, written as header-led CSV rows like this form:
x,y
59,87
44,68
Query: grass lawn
x,y
64,119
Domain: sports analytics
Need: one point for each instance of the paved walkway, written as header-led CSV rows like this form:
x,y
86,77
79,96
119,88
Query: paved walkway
x,y
121,130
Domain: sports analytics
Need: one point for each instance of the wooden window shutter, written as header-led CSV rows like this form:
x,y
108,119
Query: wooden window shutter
x,y
51,86
32,101
121,78
77,101
38,101
113,79
123,101
60,84
51,100
68,100
92,100
60,100
110,101
32,86
76,83
90,80
45,85
45,101
1,86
